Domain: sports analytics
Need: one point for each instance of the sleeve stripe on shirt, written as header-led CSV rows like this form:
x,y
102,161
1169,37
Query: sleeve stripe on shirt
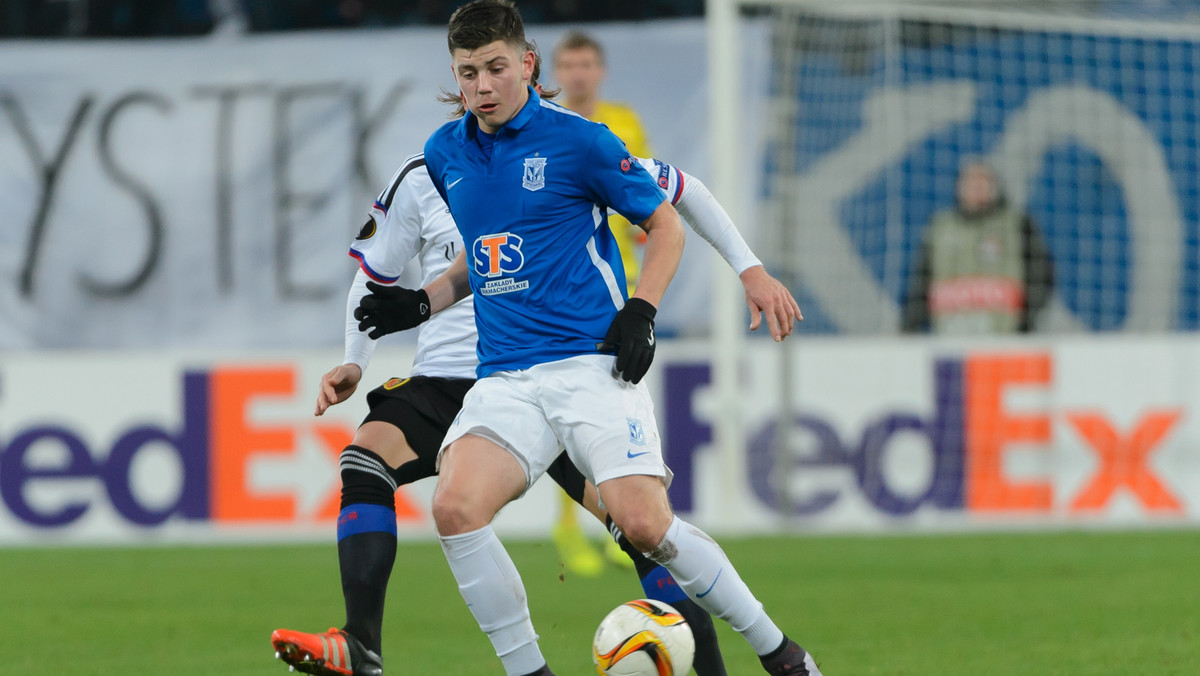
x,y
678,188
362,262
391,192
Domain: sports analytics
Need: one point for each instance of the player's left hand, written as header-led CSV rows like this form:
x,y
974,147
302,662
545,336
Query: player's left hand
x,y
767,296
631,335
388,309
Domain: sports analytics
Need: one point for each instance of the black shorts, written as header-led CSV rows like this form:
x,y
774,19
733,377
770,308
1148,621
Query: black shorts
x,y
422,407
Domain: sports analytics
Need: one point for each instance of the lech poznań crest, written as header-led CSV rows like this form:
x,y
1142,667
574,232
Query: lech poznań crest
x,y
535,173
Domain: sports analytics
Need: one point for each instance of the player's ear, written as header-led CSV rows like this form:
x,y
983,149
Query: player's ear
x,y
528,59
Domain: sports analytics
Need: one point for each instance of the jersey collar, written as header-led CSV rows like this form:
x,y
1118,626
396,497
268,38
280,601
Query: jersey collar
x,y
526,113
470,124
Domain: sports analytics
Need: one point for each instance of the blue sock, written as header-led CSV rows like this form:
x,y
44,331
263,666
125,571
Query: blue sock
x,y
366,533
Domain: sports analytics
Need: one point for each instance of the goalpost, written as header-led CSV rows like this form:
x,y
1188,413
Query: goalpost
x,y
725,120
1090,121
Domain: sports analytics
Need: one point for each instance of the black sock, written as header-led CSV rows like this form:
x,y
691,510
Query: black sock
x,y
776,652
658,584
366,542
366,563
708,660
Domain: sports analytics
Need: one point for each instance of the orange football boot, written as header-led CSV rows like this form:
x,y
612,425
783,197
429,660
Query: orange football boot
x,y
332,653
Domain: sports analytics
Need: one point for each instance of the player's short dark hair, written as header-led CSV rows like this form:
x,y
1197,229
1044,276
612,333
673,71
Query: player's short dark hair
x,y
482,22
578,40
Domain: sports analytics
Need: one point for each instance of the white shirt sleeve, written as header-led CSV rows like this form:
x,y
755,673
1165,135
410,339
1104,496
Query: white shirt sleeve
x,y
359,347
390,238
392,233
708,218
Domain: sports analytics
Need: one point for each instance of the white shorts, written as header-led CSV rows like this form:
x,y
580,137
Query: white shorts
x,y
606,426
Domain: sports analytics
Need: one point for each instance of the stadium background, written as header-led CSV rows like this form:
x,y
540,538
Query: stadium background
x,y
179,182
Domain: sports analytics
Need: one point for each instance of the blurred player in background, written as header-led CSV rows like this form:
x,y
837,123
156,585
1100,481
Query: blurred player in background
x,y
579,70
399,438
983,267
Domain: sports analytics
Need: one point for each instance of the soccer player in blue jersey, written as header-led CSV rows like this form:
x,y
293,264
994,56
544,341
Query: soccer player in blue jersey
x,y
529,185
401,435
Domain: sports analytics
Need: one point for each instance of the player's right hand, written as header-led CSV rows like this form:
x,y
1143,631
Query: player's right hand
x,y
337,386
388,309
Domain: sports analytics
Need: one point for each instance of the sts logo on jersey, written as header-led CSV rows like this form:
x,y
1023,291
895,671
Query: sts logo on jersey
x,y
496,255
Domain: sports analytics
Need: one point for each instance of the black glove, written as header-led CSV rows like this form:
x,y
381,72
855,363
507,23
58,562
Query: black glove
x,y
388,309
631,335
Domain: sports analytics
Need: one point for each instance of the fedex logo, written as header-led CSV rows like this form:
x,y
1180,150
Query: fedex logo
x,y
498,254
217,446
971,436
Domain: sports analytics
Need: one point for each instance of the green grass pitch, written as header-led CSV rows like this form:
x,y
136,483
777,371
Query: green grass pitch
x,y
1041,603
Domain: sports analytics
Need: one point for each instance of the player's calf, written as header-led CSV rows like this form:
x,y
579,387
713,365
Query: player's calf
x,y
366,533
706,574
658,584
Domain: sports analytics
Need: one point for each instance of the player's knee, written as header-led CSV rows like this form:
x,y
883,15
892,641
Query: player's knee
x,y
365,478
455,513
385,440
644,531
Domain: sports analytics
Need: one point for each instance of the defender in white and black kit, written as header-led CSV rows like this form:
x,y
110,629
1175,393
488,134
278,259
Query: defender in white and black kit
x,y
401,435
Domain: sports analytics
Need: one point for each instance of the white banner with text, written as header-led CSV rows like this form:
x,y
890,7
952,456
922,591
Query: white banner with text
x,y
203,193
908,435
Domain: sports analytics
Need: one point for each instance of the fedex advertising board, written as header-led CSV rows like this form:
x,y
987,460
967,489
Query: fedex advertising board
x,y
102,447
906,434
913,433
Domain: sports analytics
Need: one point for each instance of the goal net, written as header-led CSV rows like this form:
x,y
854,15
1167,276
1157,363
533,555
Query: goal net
x,y
1086,119
866,125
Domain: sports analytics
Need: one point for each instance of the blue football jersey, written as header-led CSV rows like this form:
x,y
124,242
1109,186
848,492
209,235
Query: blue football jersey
x,y
533,213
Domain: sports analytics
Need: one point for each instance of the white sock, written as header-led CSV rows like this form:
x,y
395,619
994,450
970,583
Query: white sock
x,y
703,571
492,588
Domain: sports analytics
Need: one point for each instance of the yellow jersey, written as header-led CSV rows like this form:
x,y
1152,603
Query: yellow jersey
x,y
623,122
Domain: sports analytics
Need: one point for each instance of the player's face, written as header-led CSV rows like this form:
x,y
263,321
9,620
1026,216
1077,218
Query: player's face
x,y
492,79
579,72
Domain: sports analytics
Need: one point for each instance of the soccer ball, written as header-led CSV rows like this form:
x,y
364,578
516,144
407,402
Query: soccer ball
x,y
643,638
